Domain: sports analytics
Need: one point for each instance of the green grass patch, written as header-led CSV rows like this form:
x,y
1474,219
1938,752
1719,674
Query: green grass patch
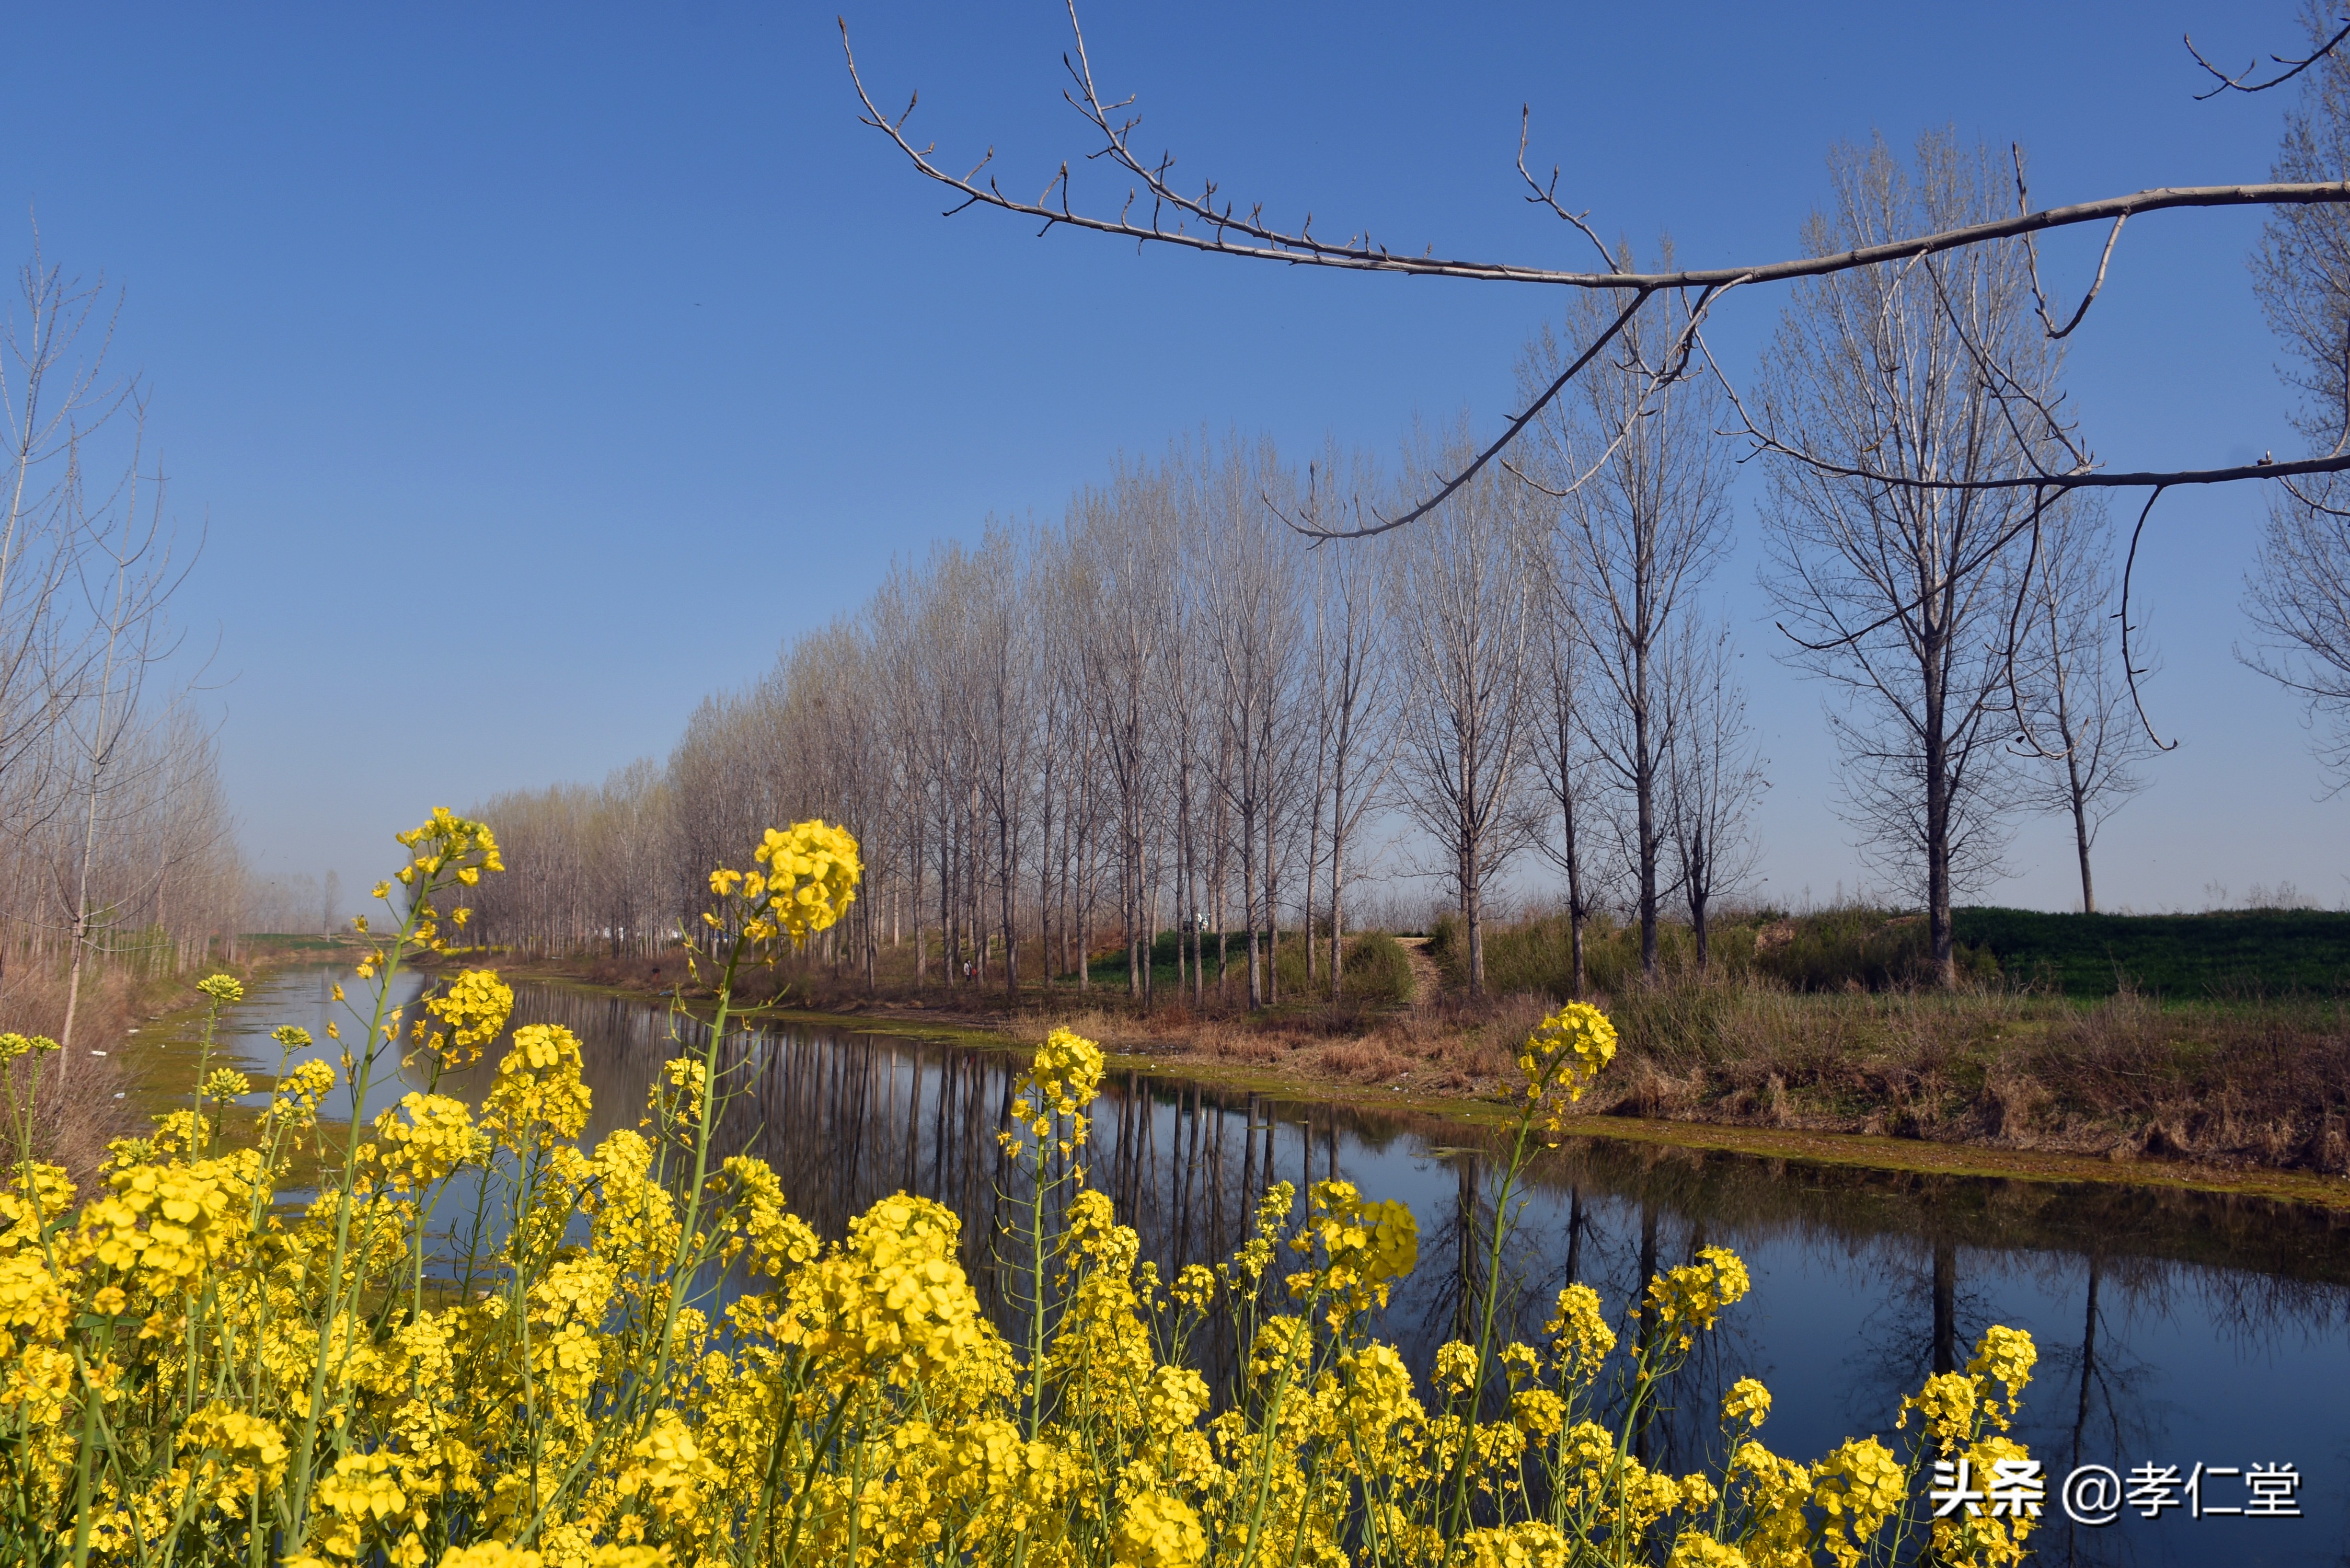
x,y
2238,955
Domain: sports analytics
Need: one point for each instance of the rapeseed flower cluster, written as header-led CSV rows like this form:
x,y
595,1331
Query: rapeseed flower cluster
x,y
469,1015
660,1364
1061,1079
1561,1060
806,879
1686,1301
1364,1247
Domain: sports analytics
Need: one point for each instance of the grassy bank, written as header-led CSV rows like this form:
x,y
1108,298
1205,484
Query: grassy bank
x,y
2228,956
2131,1079
119,1075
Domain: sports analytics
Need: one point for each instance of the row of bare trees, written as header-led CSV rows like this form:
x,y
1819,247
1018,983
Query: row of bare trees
x,y
1162,714
116,838
1174,711
1942,559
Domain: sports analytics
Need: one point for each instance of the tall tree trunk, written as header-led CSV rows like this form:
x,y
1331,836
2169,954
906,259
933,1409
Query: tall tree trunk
x,y
1644,780
2081,832
1337,893
1249,906
1271,910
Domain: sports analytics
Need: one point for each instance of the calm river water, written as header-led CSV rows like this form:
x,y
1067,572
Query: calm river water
x,y
2174,1330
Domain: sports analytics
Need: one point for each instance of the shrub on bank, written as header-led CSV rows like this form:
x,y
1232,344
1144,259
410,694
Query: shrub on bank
x,y
1377,969
199,1377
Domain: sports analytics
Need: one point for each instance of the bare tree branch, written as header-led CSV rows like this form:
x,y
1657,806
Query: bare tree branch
x,y
1205,221
1226,231
2130,671
1517,424
2294,68
2031,255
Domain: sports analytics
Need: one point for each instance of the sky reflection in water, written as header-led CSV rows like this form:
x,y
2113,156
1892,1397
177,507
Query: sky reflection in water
x,y
2172,1328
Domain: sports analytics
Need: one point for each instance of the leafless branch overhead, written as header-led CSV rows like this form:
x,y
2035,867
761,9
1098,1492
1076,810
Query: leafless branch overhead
x,y
2292,67
1156,211
1200,223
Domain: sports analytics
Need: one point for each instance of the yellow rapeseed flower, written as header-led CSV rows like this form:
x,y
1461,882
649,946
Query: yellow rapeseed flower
x,y
1561,1058
1687,1299
472,1010
1061,1080
1747,1405
1156,1531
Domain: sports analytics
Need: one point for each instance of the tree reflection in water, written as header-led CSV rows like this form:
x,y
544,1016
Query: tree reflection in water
x,y
2163,1317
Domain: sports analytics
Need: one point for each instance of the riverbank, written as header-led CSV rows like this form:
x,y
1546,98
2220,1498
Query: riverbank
x,y
129,1059
2241,1099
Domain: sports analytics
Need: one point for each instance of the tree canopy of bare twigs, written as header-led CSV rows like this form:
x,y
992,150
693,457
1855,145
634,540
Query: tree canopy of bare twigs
x,y
1466,596
1900,595
1713,773
116,842
2083,748
2299,592
1561,752
1642,487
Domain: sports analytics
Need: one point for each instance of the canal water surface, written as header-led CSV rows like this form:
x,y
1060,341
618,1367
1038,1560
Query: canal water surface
x,y
2175,1330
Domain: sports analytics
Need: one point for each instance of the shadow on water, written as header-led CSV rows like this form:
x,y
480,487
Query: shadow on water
x,y
2174,1327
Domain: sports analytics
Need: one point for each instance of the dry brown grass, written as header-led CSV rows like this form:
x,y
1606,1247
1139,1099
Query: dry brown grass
x,y
2248,1082
1363,1061
2263,1084
75,1114
2243,1083
72,1122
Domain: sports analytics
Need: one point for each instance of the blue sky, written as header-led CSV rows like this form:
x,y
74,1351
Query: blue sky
x,y
535,371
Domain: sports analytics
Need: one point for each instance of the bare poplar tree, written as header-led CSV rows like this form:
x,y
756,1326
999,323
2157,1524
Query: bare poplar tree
x,y
56,394
1900,594
1561,750
1713,773
1463,602
1644,487
2298,594
896,618
1057,702
128,575
1254,608
1125,540
2082,739
1353,689
1004,673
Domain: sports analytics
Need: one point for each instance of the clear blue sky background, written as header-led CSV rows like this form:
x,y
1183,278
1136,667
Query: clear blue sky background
x,y
536,371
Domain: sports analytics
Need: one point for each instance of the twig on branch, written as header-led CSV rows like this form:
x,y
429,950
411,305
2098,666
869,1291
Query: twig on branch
x,y
2294,68
1517,424
2311,502
1547,195
2130,671
2031,257
1224,230
2023,581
